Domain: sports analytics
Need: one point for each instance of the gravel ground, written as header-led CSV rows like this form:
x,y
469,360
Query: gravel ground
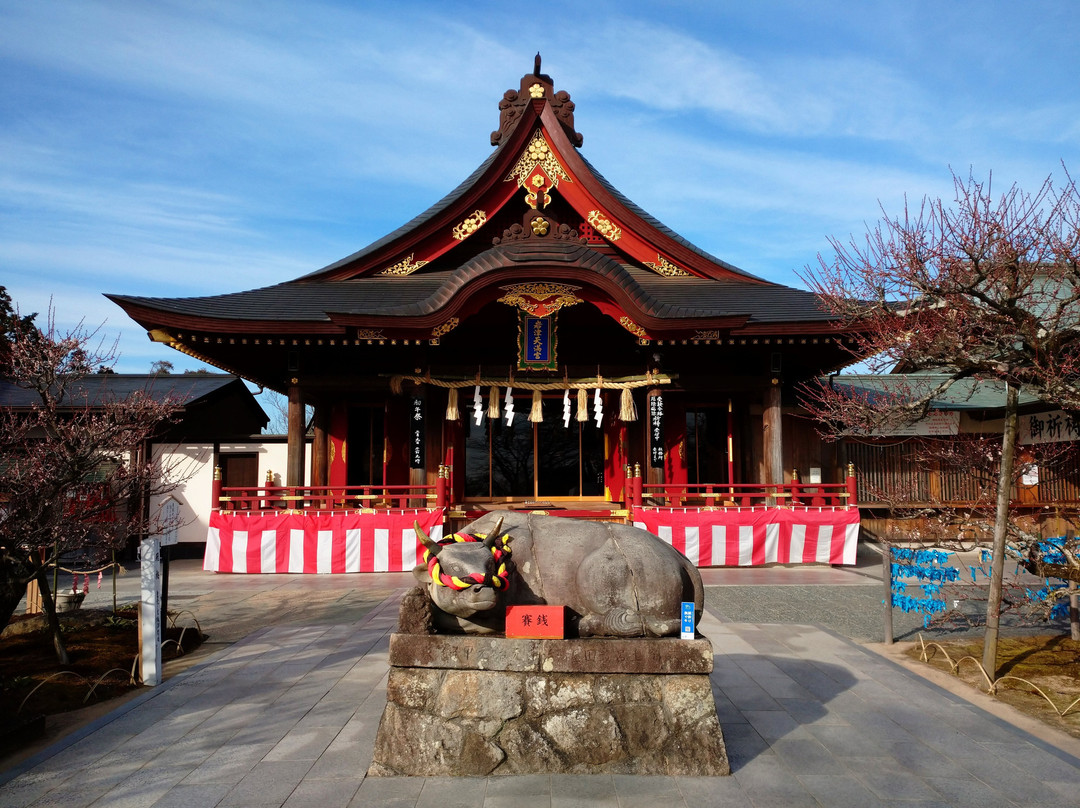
x,y
855,612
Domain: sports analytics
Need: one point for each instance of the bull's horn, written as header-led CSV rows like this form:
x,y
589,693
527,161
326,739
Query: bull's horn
x,y
493,534
424,540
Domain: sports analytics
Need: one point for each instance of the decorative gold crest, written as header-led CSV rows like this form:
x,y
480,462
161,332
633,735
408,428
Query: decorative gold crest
x,y
539,226
666,268
603,225
470,225
540,299
445,328
406,266
536,91
538,171
633,327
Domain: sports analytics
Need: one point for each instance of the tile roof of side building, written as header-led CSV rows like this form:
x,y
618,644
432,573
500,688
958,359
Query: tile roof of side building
x,y
99,388
963,394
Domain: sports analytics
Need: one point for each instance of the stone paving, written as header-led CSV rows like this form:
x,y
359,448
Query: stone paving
x,y
287,717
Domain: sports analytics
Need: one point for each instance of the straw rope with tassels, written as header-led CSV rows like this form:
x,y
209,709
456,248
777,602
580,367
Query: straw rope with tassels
x,y
625,384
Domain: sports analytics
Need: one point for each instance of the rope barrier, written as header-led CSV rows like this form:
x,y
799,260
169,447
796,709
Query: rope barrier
x,y
590,383
120,570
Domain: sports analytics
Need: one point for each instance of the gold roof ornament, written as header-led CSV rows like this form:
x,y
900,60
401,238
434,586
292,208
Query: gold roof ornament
x,y
538,170
664,267
469,225
540,299
406,266
603,225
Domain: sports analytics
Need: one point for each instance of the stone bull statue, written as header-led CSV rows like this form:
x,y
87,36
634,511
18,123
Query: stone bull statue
x,y
614,579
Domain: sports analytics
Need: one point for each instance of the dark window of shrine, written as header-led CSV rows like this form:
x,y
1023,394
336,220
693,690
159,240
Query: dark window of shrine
x,y
706,445
526,460
364,458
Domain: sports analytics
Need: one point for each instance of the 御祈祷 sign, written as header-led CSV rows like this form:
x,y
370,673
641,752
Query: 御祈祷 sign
x,y
656,431
1049,427
416,434
536,342
935,422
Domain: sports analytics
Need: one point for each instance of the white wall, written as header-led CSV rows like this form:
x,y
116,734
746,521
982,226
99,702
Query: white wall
x,y
193,465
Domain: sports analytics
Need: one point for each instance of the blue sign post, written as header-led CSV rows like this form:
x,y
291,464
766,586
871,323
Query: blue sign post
x,y
687,621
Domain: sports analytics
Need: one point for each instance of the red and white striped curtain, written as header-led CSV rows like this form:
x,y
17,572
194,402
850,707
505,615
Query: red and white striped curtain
x,y
742,537
383,541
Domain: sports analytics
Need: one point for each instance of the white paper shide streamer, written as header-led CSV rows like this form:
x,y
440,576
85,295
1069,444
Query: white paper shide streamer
x,y
509,407
566,409
598,407
477,405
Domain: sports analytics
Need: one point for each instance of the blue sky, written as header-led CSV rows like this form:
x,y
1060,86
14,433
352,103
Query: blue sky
x,y
187,148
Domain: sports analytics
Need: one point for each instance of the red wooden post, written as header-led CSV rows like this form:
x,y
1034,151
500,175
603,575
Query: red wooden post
x,y
852,488
440,487
730,449
215,490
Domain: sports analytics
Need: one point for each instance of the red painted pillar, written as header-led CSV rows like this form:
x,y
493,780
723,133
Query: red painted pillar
x,y
215,490
852,487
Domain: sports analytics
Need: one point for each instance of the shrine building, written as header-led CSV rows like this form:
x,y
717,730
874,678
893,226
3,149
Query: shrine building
x,y
535,340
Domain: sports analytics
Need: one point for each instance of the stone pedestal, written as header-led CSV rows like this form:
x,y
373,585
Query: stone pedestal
x,y
466,705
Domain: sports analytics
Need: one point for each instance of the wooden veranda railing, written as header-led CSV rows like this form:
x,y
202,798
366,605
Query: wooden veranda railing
x,y
729,495
328,497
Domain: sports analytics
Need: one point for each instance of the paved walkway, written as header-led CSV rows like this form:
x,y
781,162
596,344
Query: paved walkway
x,y
288,715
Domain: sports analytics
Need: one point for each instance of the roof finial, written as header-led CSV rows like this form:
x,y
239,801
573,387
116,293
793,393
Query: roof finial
x,y
536,64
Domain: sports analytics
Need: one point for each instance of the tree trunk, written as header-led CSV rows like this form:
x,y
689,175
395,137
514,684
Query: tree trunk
x,y
1001,524
49,605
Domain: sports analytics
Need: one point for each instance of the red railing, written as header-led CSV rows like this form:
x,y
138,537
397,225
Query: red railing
x,y
328,497
728,495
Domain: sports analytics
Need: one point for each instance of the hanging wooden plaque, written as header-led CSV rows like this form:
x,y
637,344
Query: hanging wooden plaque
x,y
416,433
537,339
656,431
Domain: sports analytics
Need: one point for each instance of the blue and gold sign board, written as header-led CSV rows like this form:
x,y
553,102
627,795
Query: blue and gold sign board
x,y
536,342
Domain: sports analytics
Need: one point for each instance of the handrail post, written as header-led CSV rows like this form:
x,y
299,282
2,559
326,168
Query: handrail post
x,y
265,504
638,486
852,487
215,491
795,487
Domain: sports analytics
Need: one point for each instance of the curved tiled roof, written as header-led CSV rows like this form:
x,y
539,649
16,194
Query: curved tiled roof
x,y
427,293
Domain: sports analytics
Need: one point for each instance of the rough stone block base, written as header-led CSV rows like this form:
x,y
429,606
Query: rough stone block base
x,y
477,706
